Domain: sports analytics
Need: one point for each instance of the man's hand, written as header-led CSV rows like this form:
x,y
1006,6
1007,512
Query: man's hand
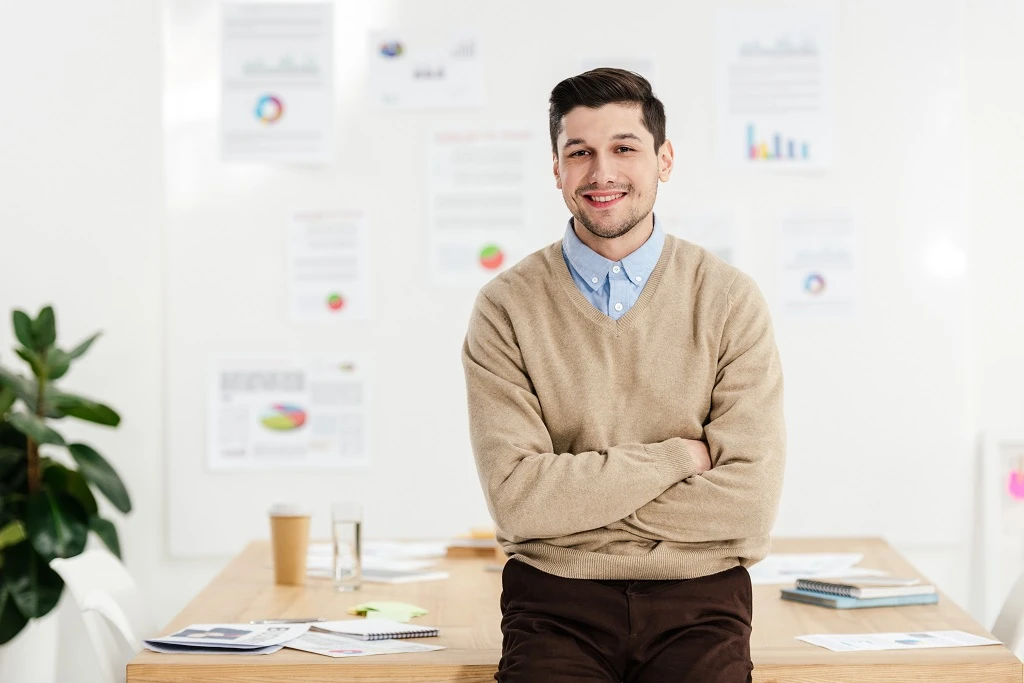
x,y
699,453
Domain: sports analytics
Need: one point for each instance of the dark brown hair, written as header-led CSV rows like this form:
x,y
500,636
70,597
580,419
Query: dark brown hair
x,y
599,87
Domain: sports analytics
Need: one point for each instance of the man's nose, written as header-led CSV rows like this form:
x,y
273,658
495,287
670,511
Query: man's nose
x,y
602,170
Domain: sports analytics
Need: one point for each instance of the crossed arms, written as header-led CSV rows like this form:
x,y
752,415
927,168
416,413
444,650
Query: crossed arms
x,y
673,493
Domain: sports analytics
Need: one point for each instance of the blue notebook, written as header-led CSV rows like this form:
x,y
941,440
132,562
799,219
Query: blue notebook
x,y
842,602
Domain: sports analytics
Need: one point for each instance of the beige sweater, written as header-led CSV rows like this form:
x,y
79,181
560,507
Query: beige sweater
x,y
577,420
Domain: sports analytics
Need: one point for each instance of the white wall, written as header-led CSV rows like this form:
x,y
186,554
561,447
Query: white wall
x,y
81,211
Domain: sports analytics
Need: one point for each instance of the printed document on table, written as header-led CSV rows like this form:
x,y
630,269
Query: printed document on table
x,y
241,637
854,642
779,568
288,411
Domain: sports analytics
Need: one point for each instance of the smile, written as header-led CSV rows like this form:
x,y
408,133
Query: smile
x,y
604,201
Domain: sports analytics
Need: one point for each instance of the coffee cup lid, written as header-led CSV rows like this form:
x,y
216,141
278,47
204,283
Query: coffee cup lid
x,y
288,510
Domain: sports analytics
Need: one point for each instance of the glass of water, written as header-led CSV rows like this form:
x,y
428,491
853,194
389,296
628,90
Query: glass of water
x,y
346,545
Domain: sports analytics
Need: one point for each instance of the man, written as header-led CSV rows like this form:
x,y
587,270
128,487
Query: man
x,y
625,404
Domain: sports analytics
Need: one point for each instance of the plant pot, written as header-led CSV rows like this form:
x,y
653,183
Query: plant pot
x,y
32,656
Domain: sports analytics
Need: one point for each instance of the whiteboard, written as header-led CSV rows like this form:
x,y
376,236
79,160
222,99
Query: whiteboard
x,y
876,405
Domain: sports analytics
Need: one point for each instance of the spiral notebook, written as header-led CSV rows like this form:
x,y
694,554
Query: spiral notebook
x,y
879,588
375,629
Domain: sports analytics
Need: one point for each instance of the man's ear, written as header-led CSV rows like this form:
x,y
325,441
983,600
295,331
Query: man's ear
x,y
554,164
666,161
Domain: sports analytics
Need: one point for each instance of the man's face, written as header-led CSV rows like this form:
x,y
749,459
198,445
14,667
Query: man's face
x,y
607,168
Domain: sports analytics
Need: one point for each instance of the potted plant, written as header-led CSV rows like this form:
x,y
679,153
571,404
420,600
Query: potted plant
x,y
47,502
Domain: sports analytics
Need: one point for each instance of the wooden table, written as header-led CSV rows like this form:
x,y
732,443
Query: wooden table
x,y
465,607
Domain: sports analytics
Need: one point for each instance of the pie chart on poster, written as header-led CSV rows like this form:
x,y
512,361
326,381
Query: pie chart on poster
x,y
335,302
491,257
284,416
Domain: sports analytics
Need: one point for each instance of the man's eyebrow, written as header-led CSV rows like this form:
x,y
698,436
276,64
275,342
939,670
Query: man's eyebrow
x,y
618,136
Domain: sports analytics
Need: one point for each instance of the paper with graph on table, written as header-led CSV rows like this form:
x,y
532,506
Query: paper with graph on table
x,y
854,642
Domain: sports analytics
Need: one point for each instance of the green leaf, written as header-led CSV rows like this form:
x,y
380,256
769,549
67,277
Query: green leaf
x,y
23,329
25,389
58,478
57,363
7,399
34,587
11,534
107,532
44,329
34,428
11,619
57,525
84,346
83,408
34,360
99,472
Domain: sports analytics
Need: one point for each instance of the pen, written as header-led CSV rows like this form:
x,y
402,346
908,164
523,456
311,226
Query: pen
x,y
287,621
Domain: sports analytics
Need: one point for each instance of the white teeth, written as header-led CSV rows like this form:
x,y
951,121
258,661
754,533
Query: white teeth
x,y
607,199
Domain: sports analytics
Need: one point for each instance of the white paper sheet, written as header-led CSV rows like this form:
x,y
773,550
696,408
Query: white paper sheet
x,y
818,276
329,266
288,411
425,70
277,96
779,568
854,642
481,206
333,645
774,88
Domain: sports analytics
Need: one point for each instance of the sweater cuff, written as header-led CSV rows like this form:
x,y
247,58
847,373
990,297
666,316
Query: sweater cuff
x,y
673,457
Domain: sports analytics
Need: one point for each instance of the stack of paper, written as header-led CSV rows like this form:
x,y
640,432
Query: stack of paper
x,y
239,639
853,642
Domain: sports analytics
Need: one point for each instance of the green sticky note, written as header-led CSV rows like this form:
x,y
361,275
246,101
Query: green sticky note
x,y
394,611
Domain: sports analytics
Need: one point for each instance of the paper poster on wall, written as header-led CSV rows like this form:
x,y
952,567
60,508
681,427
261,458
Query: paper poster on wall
x,y
641,65
277,96
818,276
716,232
480,203
775,75
425,70
999,526
329,266
287,412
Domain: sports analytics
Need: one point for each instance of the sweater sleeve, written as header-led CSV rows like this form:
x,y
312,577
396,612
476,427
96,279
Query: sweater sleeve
x,y
531,491
745,432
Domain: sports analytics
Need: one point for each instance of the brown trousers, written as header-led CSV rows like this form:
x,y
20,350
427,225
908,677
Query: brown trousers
x,y
687,631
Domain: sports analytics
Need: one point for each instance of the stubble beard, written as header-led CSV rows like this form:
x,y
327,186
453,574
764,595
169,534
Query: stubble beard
x,y
620,229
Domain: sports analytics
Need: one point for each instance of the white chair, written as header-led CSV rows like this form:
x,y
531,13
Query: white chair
x,y
115,615
1009,626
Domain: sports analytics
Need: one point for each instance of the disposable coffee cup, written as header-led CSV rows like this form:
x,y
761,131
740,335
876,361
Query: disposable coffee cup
x,y
289,541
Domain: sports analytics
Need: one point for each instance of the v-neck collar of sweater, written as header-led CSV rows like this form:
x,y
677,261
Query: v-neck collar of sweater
x,y
588,309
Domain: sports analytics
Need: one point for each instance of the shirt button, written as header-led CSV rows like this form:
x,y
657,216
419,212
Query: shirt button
x,y
616,269
618,307
638,278
594,280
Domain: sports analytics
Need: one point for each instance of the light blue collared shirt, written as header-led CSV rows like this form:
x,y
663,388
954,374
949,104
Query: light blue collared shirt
x,y
612,286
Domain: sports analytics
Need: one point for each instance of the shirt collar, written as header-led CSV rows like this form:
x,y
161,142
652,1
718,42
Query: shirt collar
x,y
590,265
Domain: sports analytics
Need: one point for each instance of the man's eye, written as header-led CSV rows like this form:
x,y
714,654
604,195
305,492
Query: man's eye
x,y
625,149
578,153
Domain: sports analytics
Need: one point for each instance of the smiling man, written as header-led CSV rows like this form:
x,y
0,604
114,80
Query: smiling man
x,y
625,405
